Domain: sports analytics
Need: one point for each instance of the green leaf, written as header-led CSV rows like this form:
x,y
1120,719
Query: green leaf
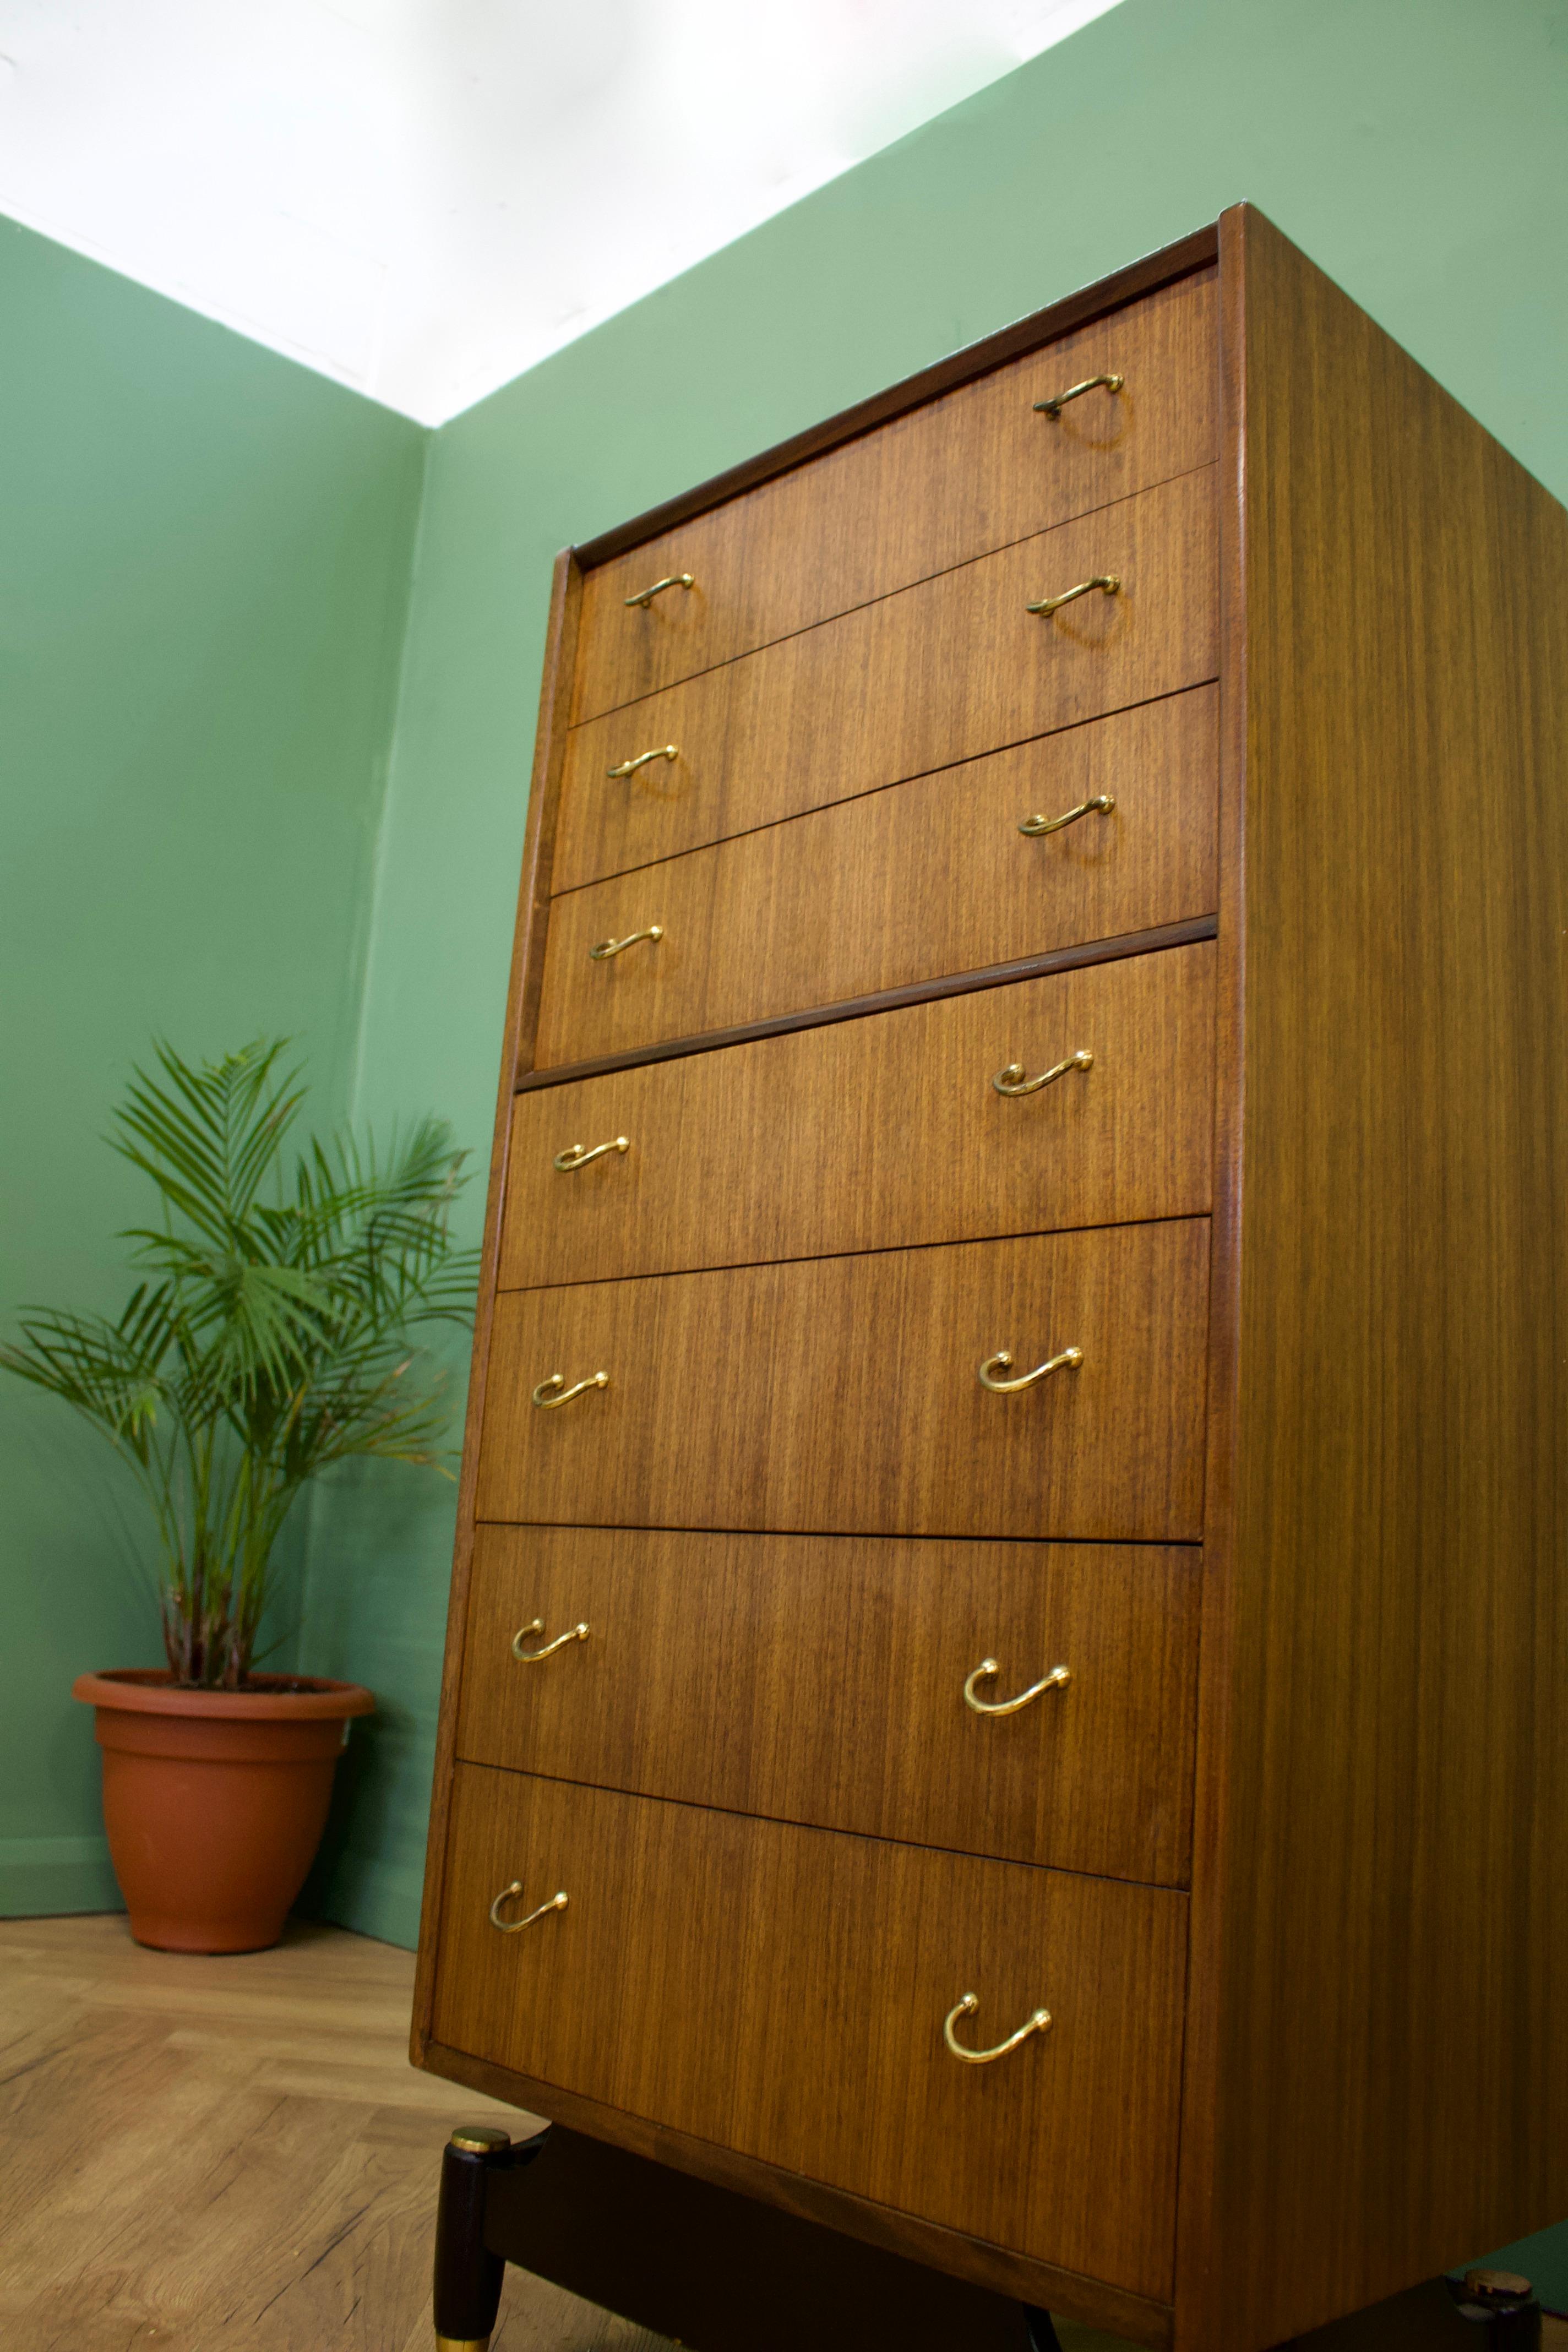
x,y
269,1337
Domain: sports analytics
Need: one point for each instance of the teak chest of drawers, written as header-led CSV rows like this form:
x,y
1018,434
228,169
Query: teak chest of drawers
x,y
1014,1506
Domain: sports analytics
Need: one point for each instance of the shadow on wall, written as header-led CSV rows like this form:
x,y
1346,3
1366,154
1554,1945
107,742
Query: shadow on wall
x,y
379,1544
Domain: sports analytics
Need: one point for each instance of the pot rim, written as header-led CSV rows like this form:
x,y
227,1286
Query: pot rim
x,y
148,1690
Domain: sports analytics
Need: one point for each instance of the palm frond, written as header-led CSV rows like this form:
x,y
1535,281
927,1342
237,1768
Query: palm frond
x,y
111,1373
209,1136
269,1337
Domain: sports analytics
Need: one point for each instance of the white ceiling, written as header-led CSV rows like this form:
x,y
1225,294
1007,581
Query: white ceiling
x,y
423,197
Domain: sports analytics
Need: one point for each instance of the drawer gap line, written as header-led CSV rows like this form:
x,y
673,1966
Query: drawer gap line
x,y
1188,256
915,776
722,2171
853,1535
1179,1887
828,1257
923,580
888,1000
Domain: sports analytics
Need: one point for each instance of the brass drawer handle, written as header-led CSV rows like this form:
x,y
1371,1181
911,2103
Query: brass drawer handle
x,y
580,1633
1100,805
1011,1081
554,1391
645,597
1109,580
1056,1680
1038,2023
578,1155
1068,1360
515,1927
630,767
608,948
1052,408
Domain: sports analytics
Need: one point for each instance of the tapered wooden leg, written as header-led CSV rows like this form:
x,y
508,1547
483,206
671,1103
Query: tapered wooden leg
x,y
1043,2336
467,2275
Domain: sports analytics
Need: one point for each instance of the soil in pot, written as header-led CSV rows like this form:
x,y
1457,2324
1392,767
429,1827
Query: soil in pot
x,y
215,1802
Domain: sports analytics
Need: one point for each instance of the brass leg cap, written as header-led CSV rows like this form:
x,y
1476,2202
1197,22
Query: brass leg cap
x,y
467,2344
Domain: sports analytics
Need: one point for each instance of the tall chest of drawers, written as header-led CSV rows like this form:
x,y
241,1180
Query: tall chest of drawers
x,y
1011,1564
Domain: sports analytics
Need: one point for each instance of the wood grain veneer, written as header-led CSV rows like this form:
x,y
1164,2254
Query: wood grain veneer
x,y
898,887
1166,265
881,1133
666,1988
1349,1380
955,477
935,674
1384,2085
1000,2269
840,1393
888,1000
820,1679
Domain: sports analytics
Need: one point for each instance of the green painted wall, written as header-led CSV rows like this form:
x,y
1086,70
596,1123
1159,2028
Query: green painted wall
x,y
1416,148
211,576
204,568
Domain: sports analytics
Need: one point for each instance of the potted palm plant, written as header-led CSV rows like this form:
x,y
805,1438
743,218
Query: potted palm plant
x,y
269,1338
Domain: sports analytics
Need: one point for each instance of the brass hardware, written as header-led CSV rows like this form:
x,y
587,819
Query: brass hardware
x,y
1052,408
630,767
1068,1360
1038,2023
645,597
564,1395
1483,2283
479,2139
515,1927
608,948
462,2344
578,1155
1056,1680
536,1625
1109,580
1101,804
1011,1081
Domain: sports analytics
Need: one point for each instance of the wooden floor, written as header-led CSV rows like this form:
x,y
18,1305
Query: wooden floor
x,y
197,2155
203,2154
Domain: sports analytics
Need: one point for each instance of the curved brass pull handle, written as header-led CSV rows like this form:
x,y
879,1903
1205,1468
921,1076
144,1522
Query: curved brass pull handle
x,y
1038,2023
1101,805
515,1927
1056,1680
1068,1360
1109,580
578,1155
554,1391
580,1633
1052,408
630,767
645,597
1011,1081
608,948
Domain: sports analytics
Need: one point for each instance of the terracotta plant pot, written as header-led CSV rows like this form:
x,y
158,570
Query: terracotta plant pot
x,y
215,1802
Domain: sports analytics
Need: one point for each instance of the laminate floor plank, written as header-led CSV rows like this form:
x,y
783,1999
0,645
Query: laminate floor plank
x,y
200,2154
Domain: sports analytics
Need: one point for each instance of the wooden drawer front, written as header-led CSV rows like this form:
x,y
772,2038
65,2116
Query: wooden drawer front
x,y
938,673
879,1133
781,1992
821,1679
897,887
841,1394
956,479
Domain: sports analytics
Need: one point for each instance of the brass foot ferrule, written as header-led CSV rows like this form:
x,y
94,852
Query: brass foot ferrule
x,y
465,2343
